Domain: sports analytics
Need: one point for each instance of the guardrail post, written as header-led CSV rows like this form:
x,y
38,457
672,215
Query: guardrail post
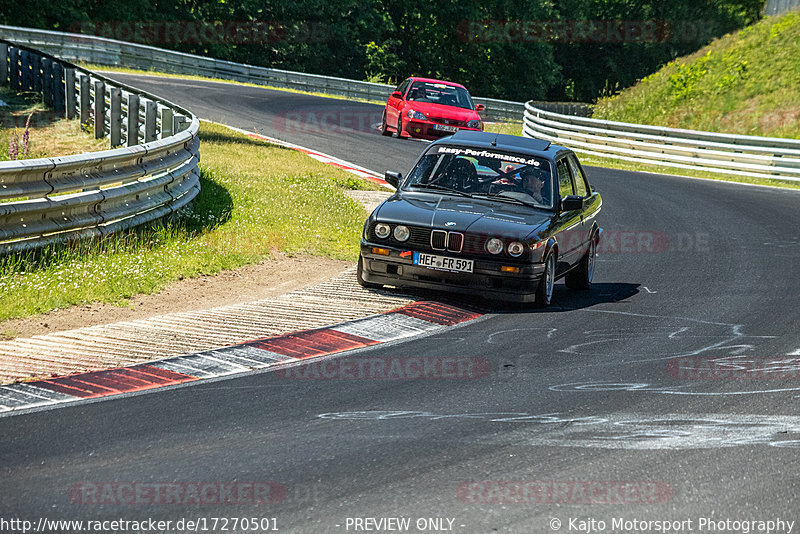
x,y
36,71
3,64
47,82
115,121
85,103
166,122
179,124
149,121
58,88
69,92
13,65
132,127
99,109
25,70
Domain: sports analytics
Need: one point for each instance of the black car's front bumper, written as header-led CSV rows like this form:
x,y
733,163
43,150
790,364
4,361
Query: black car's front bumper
x,y
486,280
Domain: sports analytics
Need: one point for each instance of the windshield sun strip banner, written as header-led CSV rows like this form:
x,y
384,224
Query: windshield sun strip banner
x,y
486,154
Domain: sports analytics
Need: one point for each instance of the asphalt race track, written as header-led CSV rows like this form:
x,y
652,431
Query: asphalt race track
x,y
585,414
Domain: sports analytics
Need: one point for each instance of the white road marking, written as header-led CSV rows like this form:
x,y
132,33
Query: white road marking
x,y
615,431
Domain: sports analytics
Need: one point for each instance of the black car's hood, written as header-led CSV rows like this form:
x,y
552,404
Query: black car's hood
x,y
462,214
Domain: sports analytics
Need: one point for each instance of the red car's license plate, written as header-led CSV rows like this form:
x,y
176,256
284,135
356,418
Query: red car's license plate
x,y
443,128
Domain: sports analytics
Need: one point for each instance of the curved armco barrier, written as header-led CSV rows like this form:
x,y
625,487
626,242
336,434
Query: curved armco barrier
x,y
56,199
110,52
759,157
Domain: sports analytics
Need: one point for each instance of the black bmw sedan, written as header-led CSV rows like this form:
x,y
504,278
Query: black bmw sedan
x,y
485,214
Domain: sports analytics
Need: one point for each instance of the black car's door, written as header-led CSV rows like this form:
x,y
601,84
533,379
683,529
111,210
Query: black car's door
x,y
569,223
591,202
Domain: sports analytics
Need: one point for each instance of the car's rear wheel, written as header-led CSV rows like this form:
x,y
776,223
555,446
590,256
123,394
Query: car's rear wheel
x,y
360,276
544,292
384,127
581,276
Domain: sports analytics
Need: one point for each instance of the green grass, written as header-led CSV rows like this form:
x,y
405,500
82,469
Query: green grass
x,y
256,198
745,83
510,128
49,135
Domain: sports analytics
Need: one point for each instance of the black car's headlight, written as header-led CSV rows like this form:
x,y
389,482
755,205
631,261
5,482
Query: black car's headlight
x,y
494,246
515,248
382,230
402,233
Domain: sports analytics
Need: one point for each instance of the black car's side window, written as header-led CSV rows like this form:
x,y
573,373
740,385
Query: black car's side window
x,y
581,185
564,178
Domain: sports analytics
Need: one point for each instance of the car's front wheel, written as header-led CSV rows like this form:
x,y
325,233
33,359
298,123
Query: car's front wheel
x,y
384,127
544,292
581,276
400,127
360,276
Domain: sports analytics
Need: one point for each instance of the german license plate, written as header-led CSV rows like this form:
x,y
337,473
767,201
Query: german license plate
x,y
442,263
443,128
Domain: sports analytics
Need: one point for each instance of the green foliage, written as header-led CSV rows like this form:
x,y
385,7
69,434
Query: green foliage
x,y
684,79
383,64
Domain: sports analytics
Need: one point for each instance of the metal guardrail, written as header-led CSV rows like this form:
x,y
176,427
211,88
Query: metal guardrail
x,y
739,155
110,52
778,7
50,200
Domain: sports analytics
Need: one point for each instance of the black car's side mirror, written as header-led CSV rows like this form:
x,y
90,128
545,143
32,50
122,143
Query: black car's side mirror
x,y
393,178
571,202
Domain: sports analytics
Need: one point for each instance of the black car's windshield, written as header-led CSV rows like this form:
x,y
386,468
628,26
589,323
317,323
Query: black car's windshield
x,y
439,93
485,174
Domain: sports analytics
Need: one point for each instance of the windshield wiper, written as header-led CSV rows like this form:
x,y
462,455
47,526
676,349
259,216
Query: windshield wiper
x,y
441,188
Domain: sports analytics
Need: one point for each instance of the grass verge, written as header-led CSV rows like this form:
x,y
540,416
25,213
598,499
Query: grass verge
x,y
49,134
256,198
510,128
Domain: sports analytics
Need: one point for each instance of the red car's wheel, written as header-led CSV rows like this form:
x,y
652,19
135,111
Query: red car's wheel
x,y
384,127
400,127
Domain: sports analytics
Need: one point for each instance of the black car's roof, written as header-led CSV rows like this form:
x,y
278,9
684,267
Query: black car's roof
x,y
510,143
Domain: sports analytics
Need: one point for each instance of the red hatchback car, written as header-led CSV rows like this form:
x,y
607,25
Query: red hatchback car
x,y
430,109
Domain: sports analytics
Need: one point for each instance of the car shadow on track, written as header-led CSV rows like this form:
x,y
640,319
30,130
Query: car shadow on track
x,y
563,299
